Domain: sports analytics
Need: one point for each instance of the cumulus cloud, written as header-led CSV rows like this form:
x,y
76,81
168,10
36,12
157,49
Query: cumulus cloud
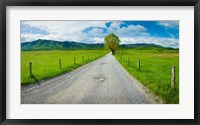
x,y
95,31
98,40
62,30
165,42
65,26
30,37
114,26
131,30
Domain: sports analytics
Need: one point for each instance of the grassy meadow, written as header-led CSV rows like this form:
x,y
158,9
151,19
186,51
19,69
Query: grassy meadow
x,y
155,70
46,64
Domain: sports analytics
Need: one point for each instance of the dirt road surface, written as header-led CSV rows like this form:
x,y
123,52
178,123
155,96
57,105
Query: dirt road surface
x,y
103,81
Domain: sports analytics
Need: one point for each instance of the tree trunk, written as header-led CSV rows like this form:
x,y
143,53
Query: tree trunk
x,y
113,52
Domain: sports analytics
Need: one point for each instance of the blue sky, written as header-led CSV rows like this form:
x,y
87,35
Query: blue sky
x,y
164,33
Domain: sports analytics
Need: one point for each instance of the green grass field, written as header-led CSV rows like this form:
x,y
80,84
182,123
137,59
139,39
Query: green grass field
x,y
155,70
45,64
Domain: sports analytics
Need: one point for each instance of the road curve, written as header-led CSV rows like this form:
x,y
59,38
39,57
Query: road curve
x,y
103,81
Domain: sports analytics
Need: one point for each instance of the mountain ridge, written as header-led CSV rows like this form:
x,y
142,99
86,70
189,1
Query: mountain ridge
x,y
42,44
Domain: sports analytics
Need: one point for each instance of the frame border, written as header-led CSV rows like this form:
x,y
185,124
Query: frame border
x,y
5,3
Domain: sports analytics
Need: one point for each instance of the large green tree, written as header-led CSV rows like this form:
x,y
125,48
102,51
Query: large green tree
x,y
111,41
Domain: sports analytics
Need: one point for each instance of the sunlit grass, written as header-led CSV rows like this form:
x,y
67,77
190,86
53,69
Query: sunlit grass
x,y
155,70
45,64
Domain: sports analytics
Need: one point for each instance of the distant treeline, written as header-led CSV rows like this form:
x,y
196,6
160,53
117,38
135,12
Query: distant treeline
x,y
68,45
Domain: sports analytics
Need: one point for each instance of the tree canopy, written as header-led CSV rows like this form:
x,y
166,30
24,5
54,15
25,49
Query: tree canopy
x,y
111,41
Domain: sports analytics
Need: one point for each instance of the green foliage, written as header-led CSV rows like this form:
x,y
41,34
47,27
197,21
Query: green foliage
x,y
111,41
155,70
45,64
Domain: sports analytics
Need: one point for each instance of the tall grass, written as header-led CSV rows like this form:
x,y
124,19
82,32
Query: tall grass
x,y
45,64
155,70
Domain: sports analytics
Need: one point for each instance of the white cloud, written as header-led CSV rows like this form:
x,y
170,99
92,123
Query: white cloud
x,y
131,30
114,26
30,37
98,40
165,42
62,30
97,32
65,26
169,24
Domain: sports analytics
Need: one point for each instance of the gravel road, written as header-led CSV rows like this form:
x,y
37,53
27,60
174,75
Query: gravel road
x,y
103,81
